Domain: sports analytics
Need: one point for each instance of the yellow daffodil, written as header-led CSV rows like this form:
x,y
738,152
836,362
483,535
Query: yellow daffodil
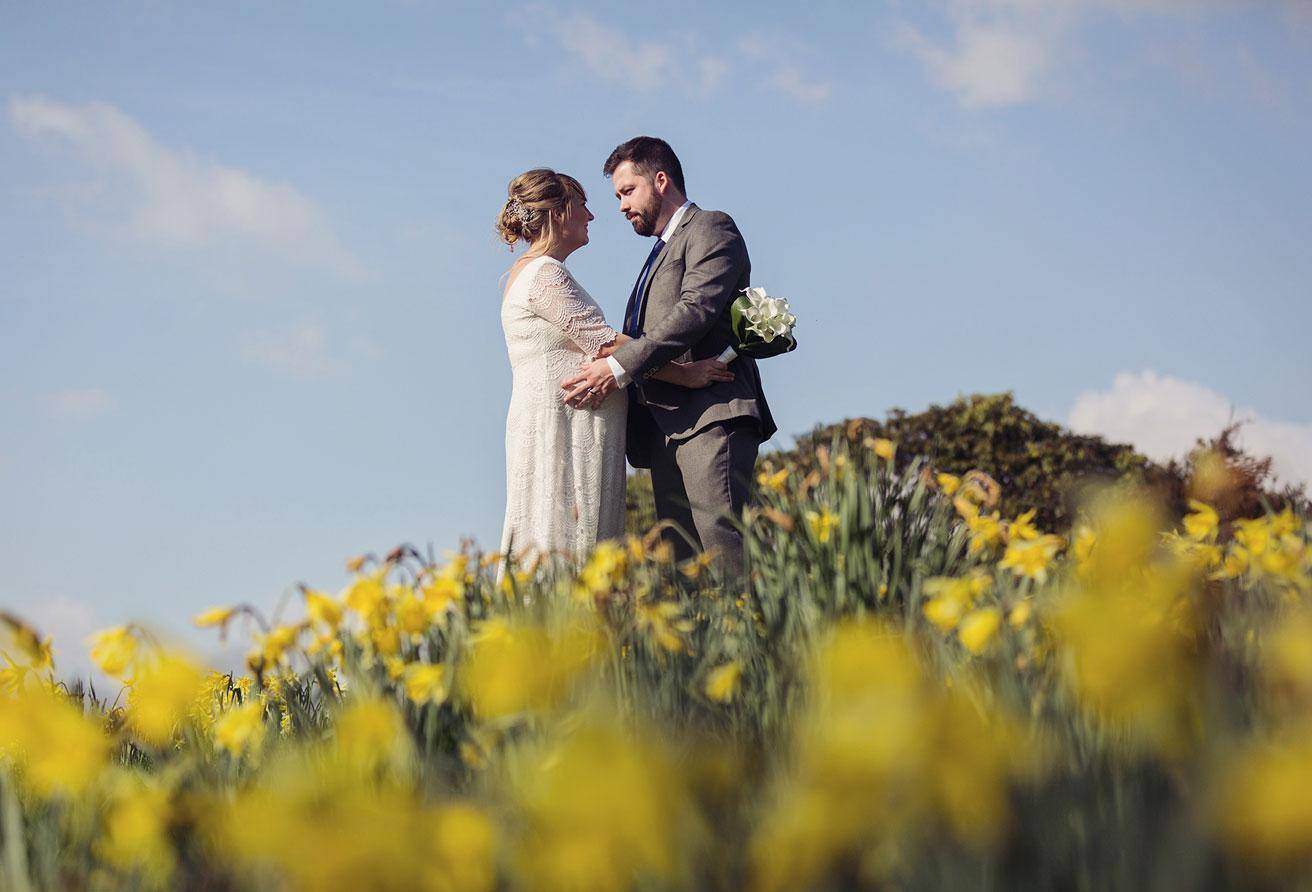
x,y
664,623
61,750
885,449
425,683
518,668
215,616
606,567
822,524
114,651
239,729
722,682
1031,558
1023,528
136,836
365,594
323,610
160,695
1253,535
944,612
1264,810
33,651
979,628
1020,614
1202,523
775,482
370,734
987,532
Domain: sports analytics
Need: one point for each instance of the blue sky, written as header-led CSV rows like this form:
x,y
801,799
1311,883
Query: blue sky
x,y
248,320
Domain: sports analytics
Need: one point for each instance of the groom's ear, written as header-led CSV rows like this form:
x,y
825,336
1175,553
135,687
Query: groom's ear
x,y
661,182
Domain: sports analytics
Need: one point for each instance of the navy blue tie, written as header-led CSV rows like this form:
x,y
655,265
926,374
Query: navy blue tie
x,y
633,312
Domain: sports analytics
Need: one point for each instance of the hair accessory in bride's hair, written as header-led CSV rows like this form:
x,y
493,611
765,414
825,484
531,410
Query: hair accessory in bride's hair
x,y
522,213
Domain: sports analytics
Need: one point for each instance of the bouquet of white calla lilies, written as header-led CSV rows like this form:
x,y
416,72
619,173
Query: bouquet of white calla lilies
x,y
762,324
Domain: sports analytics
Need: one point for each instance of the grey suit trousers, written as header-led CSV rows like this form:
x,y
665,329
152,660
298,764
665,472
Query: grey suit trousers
x,y
701,482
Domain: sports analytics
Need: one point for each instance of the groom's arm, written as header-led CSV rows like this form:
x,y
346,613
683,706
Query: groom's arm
x,y
713,266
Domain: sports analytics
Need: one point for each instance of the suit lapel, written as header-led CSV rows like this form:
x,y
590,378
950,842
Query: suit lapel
x,y
688,214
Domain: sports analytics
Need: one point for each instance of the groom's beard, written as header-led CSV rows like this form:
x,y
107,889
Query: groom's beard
x,y
644,221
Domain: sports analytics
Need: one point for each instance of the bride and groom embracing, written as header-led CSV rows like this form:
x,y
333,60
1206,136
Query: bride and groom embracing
x,y
585,394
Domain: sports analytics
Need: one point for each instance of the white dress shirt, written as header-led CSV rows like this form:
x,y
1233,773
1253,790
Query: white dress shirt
x,y
621,376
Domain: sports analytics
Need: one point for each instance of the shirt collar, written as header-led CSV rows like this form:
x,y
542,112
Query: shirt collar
x,y
674,222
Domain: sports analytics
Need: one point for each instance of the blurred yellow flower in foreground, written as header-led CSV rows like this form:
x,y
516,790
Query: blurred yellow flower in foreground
x,y
464,850
949,483
371,735
240,728
425,683
881,752
114,650
722,682
308,825
60,750
606,810
979,628
160,695
136,829
518,668
1286,661
1263,808
1129,658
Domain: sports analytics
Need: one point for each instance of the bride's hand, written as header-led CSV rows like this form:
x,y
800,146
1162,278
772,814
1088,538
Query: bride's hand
x,y
703,373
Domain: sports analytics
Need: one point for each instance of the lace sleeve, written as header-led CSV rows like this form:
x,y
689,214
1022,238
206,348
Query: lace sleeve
x,y
556,297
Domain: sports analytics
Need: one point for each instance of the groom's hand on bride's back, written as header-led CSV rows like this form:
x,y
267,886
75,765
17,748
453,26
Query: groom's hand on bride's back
x,y
700,373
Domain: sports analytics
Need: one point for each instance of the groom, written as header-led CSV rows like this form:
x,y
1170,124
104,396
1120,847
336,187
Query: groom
x,y
700,444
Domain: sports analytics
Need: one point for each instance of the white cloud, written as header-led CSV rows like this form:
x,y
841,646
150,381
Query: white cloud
x,y
84,402
678,63
176,199
776,61
989,65
300,353
1006,52
1162,417
613,56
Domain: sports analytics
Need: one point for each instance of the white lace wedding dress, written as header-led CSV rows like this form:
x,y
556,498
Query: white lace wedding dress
x,y
564,466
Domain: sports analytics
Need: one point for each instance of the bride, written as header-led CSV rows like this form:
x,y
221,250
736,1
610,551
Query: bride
x,y
564,467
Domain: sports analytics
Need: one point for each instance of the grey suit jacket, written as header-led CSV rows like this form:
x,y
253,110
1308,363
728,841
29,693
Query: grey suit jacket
x,y
685,316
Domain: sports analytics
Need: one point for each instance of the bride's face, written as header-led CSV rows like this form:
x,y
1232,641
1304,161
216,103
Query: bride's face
x,y
574,227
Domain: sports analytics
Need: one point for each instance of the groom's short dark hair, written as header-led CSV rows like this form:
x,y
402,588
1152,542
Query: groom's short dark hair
x,y
649,155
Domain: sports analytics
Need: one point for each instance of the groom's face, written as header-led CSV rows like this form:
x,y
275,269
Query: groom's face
x,y
639,196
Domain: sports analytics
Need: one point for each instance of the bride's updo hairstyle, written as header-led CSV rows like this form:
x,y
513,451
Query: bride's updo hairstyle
x,y
536,203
